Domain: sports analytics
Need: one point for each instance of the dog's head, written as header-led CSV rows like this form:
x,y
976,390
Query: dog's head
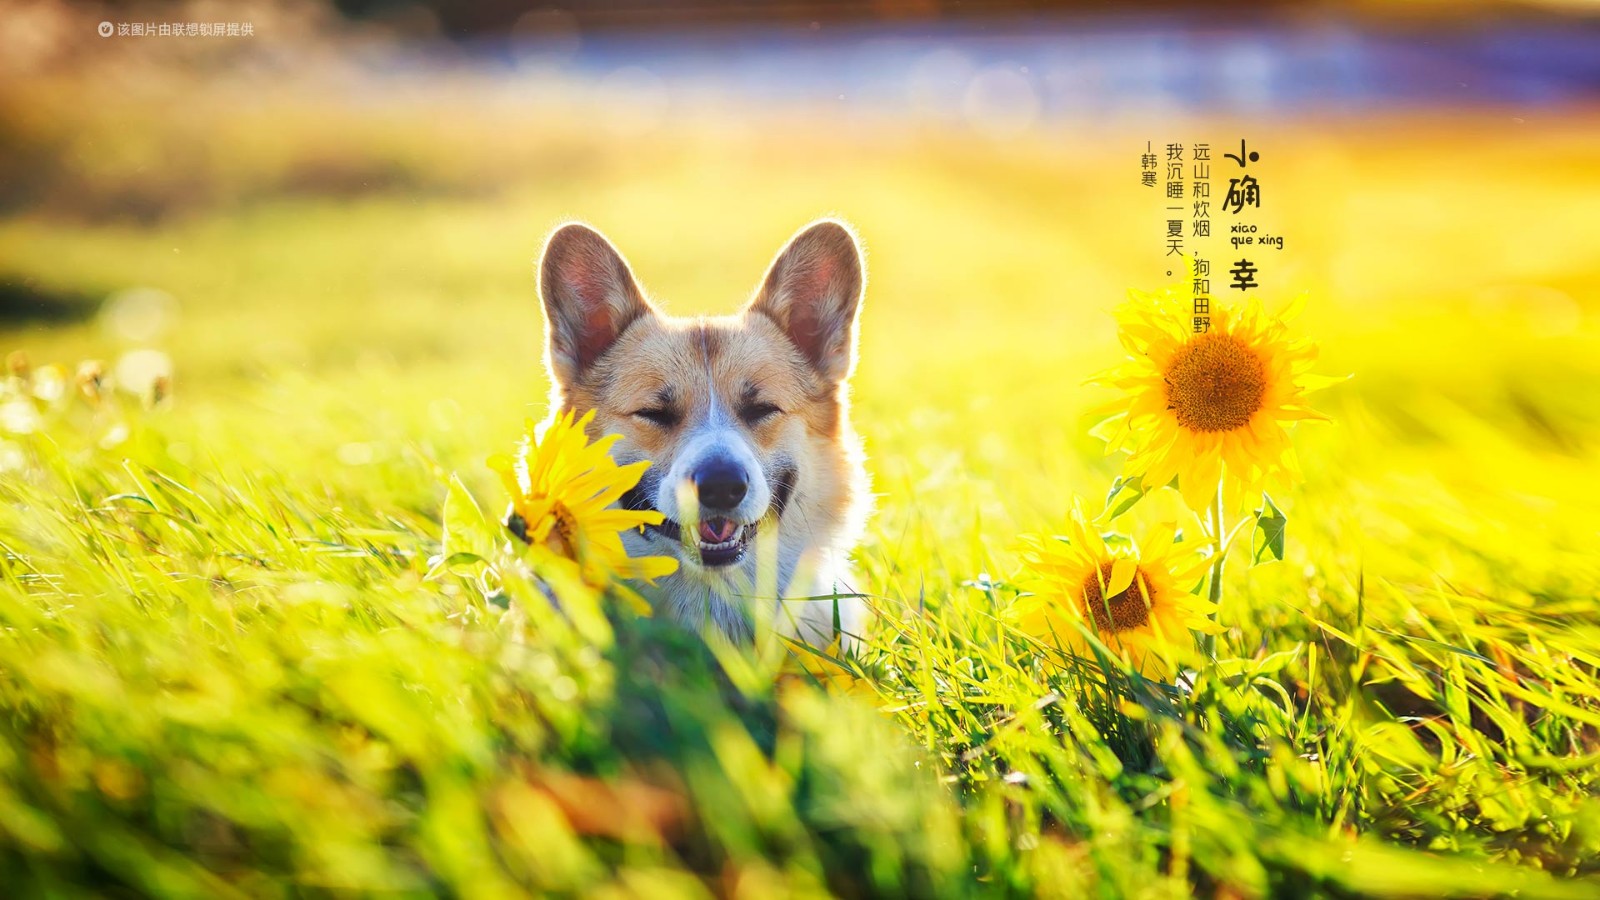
x,y
743,417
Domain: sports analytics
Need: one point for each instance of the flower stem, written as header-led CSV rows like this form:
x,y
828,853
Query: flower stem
x,y
1218,556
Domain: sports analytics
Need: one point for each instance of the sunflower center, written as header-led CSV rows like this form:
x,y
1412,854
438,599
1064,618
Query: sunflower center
x,y
1122,611
1215,383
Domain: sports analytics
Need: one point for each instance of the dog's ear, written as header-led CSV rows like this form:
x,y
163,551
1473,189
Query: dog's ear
x,y
589,298
813,291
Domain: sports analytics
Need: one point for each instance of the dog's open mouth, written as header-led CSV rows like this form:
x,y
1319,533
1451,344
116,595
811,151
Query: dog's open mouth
x,y
720,541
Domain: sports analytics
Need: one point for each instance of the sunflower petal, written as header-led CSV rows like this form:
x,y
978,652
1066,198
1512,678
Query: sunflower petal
x,y
1122,571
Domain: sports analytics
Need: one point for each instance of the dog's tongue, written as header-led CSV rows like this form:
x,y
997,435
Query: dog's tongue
x,y
715,531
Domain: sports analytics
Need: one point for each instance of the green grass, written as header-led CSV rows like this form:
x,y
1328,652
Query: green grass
x,y
224,667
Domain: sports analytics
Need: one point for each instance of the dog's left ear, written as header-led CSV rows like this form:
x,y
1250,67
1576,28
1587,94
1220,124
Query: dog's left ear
x,y
813,291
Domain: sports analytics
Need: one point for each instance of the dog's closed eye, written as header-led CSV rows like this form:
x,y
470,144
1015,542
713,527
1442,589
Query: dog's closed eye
x,y
660,416
757,412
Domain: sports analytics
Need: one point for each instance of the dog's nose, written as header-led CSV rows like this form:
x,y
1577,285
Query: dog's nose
x,y
720,484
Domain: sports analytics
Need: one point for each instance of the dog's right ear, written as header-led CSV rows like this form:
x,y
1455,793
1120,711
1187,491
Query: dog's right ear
x,y
589,298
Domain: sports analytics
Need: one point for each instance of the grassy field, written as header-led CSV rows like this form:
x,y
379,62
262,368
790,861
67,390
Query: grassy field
x,y
225,667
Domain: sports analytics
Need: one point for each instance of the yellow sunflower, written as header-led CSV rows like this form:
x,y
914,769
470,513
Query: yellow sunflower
x,y
1136,601
1198,405
562,486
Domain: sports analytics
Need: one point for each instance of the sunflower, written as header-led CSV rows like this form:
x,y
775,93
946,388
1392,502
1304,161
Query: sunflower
x,y
562,487
1197,405
1137,602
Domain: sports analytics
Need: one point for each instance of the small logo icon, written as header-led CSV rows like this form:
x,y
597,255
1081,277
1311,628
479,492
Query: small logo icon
x,y
106,28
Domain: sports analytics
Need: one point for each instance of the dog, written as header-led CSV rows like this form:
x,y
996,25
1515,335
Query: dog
x,y
745,420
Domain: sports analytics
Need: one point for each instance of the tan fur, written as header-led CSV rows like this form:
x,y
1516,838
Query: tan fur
x,y
609,349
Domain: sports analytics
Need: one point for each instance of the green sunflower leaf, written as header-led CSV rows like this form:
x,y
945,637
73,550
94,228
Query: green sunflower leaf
x,y
467,534
1124,493
1271,524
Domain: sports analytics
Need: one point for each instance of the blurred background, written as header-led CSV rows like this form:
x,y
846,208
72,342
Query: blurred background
x,y
319,223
